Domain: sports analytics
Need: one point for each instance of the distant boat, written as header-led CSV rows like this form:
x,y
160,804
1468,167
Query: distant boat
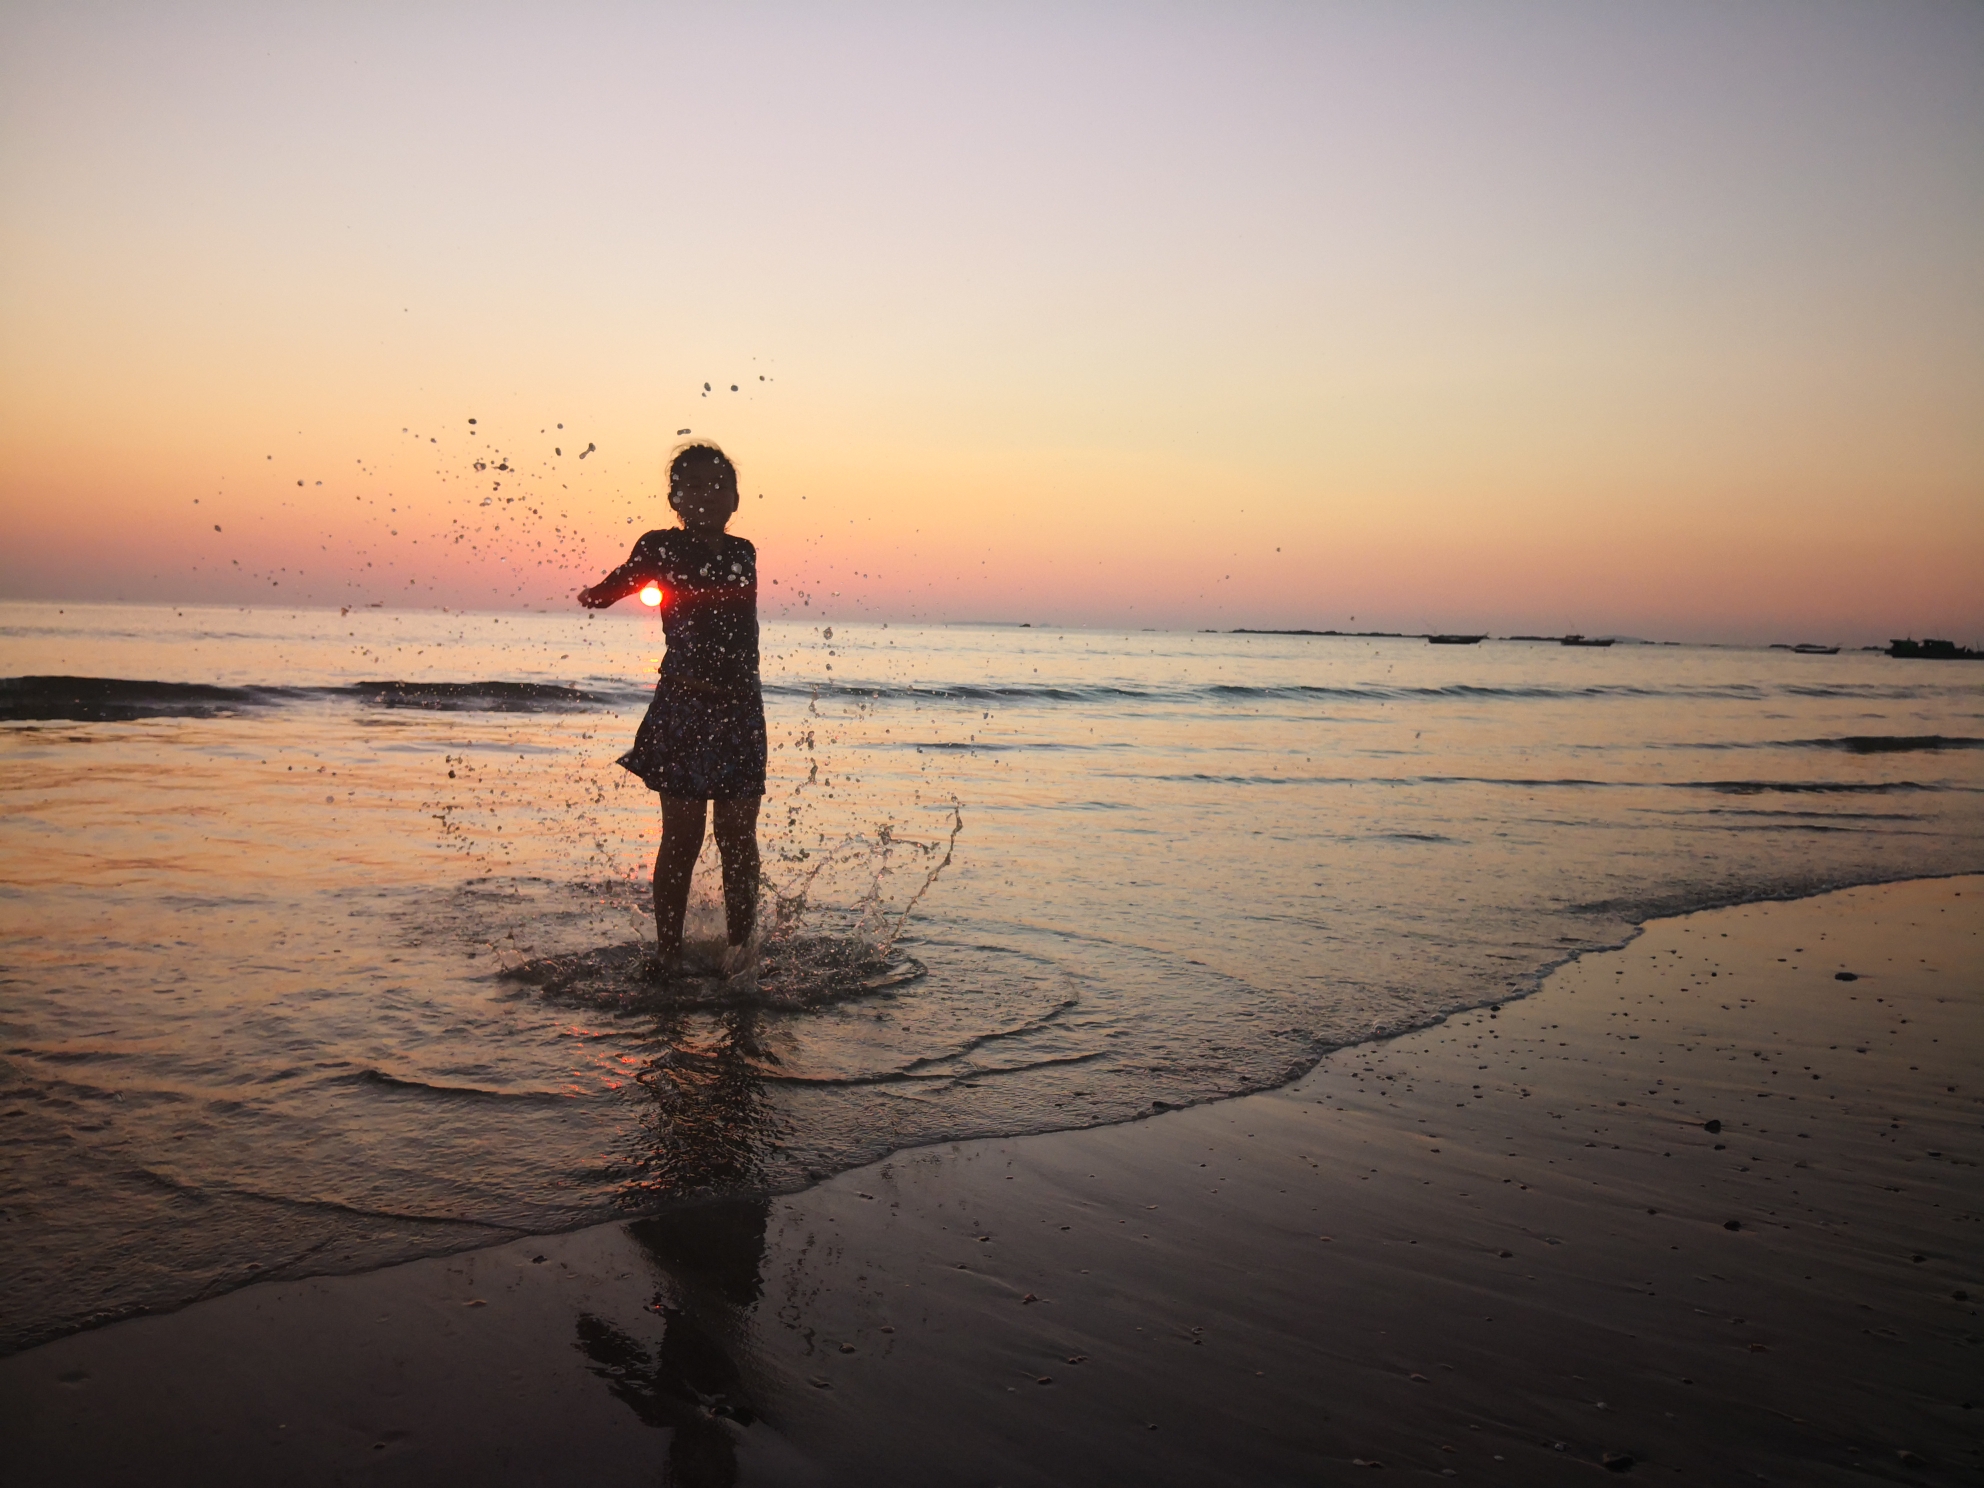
x,y
1806,648
1578,640
1926,650
1457,640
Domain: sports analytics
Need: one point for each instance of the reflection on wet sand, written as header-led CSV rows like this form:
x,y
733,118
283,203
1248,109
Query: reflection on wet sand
x,y
707,1259
709,1129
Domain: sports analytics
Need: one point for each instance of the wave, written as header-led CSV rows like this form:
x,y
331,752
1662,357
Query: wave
x,y
397,1083
1889,743
114,699
978,692
1850,743
1726,787
1240,692
911,1076
972,692
484,697
1798,814
120,699
1811,787
206,1192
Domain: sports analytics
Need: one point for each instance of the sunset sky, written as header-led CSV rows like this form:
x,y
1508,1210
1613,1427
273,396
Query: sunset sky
x,y
1662,319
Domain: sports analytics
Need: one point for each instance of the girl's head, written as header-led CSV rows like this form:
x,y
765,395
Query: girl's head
x,y
702,487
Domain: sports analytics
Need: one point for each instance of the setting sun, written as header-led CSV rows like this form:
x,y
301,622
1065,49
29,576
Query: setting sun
x,y
651,595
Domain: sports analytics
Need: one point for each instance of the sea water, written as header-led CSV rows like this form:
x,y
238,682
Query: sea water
x,y
323,928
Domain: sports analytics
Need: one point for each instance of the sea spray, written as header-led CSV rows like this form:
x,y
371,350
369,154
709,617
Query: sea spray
x,y
831,932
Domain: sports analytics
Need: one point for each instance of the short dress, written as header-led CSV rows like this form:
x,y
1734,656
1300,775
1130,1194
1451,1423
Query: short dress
x,y
703,738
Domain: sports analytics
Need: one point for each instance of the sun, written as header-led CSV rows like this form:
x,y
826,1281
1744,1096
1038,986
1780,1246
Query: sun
x,y
651,595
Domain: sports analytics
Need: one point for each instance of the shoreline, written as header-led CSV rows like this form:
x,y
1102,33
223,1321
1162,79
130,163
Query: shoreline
x,y
1371,1345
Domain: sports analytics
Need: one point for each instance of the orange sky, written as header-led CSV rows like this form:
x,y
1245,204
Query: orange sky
x,y
1666,321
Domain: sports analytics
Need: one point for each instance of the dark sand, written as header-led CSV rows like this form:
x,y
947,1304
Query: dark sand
x,y
1498,1249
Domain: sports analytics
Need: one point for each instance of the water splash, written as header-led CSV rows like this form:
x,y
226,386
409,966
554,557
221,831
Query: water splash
x,y
816,944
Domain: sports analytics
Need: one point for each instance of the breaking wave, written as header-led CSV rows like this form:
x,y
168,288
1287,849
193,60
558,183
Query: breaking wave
x,y
118,699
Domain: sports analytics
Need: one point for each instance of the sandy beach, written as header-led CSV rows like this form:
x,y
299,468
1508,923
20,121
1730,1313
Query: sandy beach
x,y
1706,1207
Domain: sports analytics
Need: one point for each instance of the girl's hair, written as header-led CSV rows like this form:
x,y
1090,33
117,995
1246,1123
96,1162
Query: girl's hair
x,y
701,457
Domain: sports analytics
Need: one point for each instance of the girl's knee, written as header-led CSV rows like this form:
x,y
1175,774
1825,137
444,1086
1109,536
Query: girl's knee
x,y
683,821
736,824
736,816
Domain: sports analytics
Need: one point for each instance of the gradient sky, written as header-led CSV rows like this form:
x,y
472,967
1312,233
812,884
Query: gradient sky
x,y
1661,319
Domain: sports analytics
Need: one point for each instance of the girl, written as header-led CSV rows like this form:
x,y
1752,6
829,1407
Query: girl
x,y
703,738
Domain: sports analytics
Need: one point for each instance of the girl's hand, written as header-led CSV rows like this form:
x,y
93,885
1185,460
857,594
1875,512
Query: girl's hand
x,y
592,599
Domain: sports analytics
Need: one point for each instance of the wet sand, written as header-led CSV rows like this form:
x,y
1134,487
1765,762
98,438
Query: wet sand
x,y
1505,1249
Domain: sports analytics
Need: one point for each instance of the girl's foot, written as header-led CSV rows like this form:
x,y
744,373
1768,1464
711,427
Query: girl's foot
x,y
740,961
658,968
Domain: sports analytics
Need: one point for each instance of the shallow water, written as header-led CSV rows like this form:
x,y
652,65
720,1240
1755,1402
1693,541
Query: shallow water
x,y
322,930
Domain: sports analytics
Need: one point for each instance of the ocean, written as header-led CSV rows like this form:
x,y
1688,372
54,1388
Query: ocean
x,y
321,927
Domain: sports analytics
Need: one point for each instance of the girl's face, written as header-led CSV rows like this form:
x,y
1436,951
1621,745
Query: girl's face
x,y
703,500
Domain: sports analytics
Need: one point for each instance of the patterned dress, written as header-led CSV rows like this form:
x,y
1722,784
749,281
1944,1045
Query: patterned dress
x,y
703,738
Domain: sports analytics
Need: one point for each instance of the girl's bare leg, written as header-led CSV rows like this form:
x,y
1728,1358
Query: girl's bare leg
x,y
737,844
681,840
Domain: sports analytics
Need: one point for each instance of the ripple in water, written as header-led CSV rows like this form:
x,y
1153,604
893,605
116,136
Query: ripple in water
x,y
807,955
799,971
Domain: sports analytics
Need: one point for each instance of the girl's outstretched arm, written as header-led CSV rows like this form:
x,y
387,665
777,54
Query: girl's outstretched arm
x,y
622,582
